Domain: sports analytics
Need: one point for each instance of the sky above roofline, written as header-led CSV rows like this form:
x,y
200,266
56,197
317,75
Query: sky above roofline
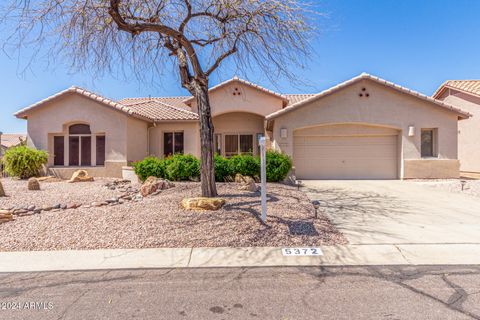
x,y
416,44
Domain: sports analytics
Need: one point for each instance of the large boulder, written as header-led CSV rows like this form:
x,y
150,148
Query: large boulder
x,y
33,184
2,191
248,185
202,204
153,184
80,176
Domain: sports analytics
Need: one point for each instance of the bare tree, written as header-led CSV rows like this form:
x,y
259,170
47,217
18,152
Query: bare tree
x,y
195,35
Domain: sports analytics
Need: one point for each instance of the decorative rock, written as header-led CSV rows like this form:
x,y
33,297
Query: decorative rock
x,y
121,201
113,200
202,204
249,185
63,206
46,208
6,217
98,204
5,211
31,208
57,206
2,191
73,206
33,184
153,184
80,176
239,178
20,211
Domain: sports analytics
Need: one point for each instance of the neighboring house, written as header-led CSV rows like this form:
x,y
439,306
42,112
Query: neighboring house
x,y
8,140
364,128
466,95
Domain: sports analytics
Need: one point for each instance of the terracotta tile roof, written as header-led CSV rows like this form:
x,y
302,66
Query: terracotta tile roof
x,y
157,110
245,82
468,86
172,101
110,103
12,139
295,98
462,114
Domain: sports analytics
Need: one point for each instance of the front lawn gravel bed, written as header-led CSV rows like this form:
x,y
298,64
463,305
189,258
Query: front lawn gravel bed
x,y
158,221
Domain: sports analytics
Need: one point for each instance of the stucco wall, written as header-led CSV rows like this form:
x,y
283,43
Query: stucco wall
x,y
137,141
468,130
191,136
250,100
384,107
57,115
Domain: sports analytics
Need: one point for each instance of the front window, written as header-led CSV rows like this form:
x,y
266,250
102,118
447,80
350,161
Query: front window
x,y
428,138
172,143
81,147
238,144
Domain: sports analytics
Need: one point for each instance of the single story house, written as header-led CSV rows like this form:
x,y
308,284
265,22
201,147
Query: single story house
x,y
364,128
466,95
8,140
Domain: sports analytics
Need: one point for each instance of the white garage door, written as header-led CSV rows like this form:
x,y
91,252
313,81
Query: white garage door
x,y
345,157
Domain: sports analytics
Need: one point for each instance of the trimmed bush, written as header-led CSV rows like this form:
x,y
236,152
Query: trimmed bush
x,y
149,167
246,165
24,162
278,166
182,167
223,168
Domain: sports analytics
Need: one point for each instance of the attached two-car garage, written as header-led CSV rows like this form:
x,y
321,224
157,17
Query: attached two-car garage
x,y
346,152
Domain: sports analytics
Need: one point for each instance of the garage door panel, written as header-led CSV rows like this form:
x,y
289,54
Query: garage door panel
x,y
354,157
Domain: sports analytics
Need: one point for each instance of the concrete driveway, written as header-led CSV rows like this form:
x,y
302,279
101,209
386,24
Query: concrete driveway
x,y
397,212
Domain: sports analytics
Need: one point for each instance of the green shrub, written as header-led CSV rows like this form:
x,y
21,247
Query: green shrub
x,y
223,168
150,166
24,162
182,167
246,165
278,166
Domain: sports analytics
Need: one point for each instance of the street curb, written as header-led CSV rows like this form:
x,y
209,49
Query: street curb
x,y
348,255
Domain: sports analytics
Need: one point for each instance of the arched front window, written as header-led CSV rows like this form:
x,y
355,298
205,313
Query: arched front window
x,y
83,147
79,145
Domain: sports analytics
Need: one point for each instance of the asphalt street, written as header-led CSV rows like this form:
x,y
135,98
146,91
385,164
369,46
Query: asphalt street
x,y
402,292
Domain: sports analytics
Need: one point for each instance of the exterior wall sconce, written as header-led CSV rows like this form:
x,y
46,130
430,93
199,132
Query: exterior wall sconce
x,y
411,131
283,133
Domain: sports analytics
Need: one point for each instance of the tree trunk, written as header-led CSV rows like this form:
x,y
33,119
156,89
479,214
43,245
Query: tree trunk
x,y
207,168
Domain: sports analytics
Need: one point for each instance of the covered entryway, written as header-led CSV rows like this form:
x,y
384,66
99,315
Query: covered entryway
x,y
346,151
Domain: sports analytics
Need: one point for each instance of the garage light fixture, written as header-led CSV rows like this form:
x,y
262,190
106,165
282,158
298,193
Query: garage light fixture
x,y
283,133
411,131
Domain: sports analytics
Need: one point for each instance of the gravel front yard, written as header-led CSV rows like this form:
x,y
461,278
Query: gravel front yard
x,y
158,221
472,187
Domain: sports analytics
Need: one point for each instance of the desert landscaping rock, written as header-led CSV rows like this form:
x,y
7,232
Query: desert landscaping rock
x,y
33,184
159,221
80,176
2,191
201,203
153,184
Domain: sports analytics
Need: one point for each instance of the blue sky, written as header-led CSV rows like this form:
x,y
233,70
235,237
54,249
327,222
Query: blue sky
x,y
418,44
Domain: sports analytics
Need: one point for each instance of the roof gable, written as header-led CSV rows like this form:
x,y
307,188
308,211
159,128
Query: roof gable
x,y
365,76
23,113
471,87
244,82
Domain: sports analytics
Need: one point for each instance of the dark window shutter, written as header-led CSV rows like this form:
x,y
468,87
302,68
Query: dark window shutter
x,y
58,151
100,150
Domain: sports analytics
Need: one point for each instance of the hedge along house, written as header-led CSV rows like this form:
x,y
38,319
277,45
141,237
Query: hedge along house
x,y
365,128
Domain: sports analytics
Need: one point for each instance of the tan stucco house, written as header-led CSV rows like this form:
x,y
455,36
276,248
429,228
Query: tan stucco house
x,y
364,128
466,95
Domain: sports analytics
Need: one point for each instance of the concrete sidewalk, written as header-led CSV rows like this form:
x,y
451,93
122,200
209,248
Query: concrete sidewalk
x,y
351,255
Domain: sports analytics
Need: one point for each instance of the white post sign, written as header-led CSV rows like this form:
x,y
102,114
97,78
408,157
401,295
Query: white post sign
x,y
263,176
